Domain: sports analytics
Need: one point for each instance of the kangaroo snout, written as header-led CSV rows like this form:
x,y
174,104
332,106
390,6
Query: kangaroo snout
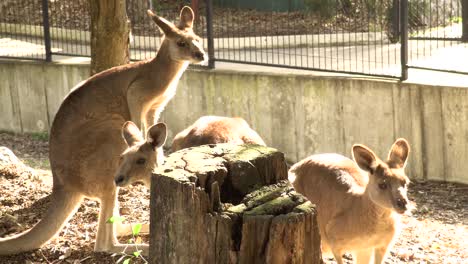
x,y
402,204
199,55
119,180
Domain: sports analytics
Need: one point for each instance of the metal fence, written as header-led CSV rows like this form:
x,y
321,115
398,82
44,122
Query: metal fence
x,y
370,37
15,31
339,36
438,35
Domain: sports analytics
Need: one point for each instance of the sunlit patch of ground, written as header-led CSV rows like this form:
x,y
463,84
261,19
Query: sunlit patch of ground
x,y
436,232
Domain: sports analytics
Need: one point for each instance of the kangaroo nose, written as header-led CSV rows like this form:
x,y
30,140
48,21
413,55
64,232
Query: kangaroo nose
x,y
199,55
401,203
119,180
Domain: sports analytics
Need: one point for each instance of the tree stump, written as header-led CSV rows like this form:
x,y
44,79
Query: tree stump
x,y
230,204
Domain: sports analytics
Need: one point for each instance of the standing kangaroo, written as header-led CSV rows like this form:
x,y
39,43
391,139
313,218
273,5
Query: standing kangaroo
x,y
85,139
215,130
357,212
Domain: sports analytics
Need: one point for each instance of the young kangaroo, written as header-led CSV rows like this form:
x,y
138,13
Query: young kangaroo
x,y
142,156
85,139
139,160
214,130
357,212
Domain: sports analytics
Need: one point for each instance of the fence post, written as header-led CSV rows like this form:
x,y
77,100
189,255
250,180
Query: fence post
x,y
465,20
209,33
395,22
404,39
45,22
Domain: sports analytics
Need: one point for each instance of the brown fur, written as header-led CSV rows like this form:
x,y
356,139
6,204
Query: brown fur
x,y
142,156
85,138
206,130
357,212
215,130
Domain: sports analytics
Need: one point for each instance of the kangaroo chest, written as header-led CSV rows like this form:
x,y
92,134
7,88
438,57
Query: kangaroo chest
x,y
167,86
367,230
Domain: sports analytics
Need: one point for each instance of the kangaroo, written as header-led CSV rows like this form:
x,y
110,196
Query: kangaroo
x,y
142,156
214,130
85,140
138,160
357,212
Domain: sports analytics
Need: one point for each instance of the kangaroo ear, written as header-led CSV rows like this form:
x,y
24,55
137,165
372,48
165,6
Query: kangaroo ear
x,y
131,133
167,27
398,154
157,135
186,17
364,157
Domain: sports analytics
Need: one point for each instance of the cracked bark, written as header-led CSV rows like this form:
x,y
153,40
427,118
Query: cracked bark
x,y
259,218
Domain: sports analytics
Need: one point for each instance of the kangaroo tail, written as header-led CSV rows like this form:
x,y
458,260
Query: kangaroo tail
x,y
63,206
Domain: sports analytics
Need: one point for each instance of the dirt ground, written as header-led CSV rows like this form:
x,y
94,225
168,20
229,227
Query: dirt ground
x,y
436,232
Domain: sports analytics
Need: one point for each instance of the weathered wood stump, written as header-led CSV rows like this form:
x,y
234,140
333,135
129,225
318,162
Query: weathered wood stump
x,y
230,204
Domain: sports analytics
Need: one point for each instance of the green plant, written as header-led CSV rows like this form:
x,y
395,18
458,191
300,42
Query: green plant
x,y
136,239
41,136
37,163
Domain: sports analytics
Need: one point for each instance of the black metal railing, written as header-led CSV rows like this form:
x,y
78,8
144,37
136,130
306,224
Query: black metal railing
x,y
17,30
370,37
436,31
340,36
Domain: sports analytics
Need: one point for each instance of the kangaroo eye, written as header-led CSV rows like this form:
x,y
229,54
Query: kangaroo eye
x,y
141,161
383,186
181,43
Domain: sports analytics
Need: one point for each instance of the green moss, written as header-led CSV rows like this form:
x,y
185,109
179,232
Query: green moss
x,y
306,207
265,194
276,206
249,152
237,209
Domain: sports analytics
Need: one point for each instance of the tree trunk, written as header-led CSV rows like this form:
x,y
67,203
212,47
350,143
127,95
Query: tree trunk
x,y
110,31
230,204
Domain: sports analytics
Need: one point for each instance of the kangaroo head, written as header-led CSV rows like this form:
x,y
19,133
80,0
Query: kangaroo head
x,y
142,156
388,182
182,43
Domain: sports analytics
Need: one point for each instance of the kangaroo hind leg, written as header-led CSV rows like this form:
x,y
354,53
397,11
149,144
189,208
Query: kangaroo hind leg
x,y
364,256
106,240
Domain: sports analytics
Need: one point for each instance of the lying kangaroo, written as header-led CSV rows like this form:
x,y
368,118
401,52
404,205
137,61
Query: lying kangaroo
x,y
357,212
85,138
214,130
